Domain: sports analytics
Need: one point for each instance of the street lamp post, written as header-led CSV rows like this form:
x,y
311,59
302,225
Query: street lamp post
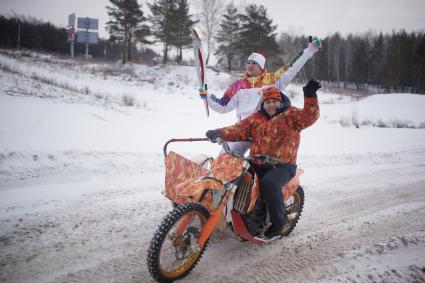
x,y
19,29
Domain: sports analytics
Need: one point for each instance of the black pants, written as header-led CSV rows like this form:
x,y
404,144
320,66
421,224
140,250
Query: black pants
x,y
272,179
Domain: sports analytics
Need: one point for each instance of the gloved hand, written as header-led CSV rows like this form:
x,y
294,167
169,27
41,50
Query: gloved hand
x,y
310,88
212,135
202,92
313,47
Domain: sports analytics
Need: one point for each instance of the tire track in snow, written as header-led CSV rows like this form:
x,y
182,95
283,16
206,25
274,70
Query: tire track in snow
x,y
44,242
325,236
106,236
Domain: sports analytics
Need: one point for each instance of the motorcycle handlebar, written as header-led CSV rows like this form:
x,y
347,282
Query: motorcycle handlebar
x,y
181,140
263,157
226,148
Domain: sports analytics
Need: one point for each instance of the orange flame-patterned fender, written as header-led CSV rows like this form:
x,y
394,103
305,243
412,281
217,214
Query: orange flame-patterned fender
x,y
192,189
179,169
289,189
226,167
255,192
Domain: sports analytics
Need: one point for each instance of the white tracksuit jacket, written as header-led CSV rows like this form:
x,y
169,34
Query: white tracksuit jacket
x,y
244,95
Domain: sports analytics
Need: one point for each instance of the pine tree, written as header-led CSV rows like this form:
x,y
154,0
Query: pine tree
x,y
408,60
377,59
257,32
391,69
228,36
162,19
171,25
360,63
420,63
182,28
127,25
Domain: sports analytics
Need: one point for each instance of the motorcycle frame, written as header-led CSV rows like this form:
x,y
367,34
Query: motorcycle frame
x,y
229,189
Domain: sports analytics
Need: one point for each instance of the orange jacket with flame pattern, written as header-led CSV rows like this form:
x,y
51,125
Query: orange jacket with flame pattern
x,y
278,136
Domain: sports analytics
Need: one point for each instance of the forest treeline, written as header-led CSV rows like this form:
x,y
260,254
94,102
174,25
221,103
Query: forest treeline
x,y
373,62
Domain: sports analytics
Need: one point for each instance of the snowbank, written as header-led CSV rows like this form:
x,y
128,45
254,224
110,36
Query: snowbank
x,y
81,175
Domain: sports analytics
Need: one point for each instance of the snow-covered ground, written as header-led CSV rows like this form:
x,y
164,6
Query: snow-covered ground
x,y
81,175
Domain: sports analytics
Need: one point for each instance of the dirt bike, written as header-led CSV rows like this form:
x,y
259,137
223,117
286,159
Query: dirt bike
x,y
209,195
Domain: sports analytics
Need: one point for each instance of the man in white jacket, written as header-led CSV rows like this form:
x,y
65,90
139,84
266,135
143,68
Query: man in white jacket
x,y
244,95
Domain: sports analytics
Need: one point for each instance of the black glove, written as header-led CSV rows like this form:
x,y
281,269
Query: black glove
x,y
212,135
310,88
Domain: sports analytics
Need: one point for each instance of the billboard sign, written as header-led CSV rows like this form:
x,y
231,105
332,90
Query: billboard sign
x,y
87,23
71,20
87,37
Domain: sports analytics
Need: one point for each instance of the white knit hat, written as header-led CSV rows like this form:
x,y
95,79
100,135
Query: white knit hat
x,y
257,58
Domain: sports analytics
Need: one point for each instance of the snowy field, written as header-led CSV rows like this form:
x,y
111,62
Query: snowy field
x,y
81,175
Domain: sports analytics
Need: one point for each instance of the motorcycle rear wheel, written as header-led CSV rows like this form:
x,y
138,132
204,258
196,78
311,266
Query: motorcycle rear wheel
x,y
295,205
174,251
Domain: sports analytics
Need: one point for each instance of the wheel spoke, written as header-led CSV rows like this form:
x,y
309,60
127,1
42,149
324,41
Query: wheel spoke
x,y
293,205
174,250
179,250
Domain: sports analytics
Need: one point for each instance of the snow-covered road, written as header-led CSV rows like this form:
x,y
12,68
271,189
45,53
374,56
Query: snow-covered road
x,y
365,224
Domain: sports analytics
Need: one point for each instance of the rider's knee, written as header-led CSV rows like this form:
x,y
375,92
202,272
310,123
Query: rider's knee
x,y
268,186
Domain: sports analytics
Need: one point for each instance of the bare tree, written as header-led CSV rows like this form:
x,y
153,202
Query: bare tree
x,y
210,12
347,59
335,43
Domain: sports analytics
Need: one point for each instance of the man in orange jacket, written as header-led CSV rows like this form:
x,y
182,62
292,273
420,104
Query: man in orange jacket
x,y
275,130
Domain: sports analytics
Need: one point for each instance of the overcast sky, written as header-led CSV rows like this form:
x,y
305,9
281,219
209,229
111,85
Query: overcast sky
x,y
308,17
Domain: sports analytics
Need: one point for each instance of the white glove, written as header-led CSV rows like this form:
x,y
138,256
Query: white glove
x,y
313,47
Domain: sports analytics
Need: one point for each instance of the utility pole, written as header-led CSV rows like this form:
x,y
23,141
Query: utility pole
x,y
19,29
87,37
71,33
71,39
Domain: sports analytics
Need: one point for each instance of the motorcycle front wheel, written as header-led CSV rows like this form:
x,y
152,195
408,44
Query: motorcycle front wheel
x,y
295,205
174,250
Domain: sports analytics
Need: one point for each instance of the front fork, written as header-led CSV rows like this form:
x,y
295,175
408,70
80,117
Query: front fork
x,y
215,214
214,218
212,221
